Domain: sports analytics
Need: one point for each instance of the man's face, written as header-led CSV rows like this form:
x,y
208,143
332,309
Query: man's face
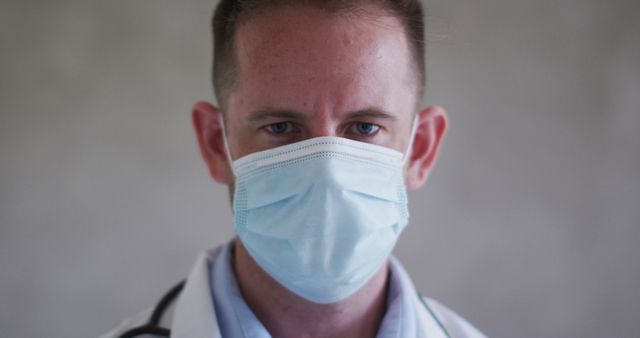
x,y
304,73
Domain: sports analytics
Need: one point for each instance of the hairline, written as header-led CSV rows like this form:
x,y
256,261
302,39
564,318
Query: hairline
x,y
230,75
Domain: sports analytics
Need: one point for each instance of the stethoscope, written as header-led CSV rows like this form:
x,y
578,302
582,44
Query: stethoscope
x,y
153,324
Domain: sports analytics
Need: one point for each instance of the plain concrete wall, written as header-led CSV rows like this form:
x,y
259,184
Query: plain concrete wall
x,y
528,226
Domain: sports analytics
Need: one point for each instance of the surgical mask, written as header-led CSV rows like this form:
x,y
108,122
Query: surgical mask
x,y
321,216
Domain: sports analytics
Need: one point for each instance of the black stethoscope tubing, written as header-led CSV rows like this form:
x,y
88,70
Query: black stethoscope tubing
x,y
153,325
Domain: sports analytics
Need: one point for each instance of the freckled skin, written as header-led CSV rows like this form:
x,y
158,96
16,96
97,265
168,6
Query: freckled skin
x,y
324,67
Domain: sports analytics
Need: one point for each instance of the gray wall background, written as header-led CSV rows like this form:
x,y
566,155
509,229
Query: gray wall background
x,y
528,226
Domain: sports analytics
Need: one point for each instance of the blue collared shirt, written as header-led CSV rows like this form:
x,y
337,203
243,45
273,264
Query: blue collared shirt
x,y
236,319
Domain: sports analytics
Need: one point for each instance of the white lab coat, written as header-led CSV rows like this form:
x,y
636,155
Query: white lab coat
x,y
192,314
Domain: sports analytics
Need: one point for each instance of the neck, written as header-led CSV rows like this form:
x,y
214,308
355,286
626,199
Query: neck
x,y
284,314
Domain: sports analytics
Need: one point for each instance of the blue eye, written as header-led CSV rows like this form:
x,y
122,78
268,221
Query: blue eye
x,y
278,128
364,128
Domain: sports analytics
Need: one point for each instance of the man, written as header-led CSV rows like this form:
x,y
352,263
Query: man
x,y
317,134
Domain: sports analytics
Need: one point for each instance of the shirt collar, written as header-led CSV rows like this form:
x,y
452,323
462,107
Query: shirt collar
x,y
233,314
236,319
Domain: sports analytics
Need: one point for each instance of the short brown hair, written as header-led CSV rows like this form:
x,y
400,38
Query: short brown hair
x,y
230,13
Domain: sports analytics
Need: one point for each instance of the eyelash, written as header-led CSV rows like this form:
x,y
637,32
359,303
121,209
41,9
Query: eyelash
x,y
355,126
352,128
287,126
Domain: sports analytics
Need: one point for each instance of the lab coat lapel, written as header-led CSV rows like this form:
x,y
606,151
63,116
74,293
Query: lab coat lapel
x,y
427,324
194,315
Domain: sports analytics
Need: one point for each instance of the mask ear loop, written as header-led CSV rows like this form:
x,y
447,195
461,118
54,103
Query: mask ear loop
x,y
412,136
225,139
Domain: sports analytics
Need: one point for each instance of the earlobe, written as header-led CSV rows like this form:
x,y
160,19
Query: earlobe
x,y
432,126
209,133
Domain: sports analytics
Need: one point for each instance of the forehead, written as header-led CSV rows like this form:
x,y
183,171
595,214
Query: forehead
x,y
300,47
301,33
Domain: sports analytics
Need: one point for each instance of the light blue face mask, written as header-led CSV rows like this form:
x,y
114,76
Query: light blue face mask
x,y
321,216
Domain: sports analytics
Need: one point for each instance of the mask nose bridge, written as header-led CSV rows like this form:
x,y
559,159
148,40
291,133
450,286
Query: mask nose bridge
x,y
325,131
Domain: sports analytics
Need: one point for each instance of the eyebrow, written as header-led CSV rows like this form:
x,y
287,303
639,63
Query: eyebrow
x,y
274,113
296,115
372,113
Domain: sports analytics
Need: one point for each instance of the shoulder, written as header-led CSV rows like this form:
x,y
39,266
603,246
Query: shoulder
x,y
158,318
456,326
195,286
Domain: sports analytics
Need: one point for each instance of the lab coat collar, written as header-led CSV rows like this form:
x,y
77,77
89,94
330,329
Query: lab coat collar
x,y
426,324
195,315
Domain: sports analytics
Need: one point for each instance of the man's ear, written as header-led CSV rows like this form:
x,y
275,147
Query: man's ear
x,y
432,125
209,132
